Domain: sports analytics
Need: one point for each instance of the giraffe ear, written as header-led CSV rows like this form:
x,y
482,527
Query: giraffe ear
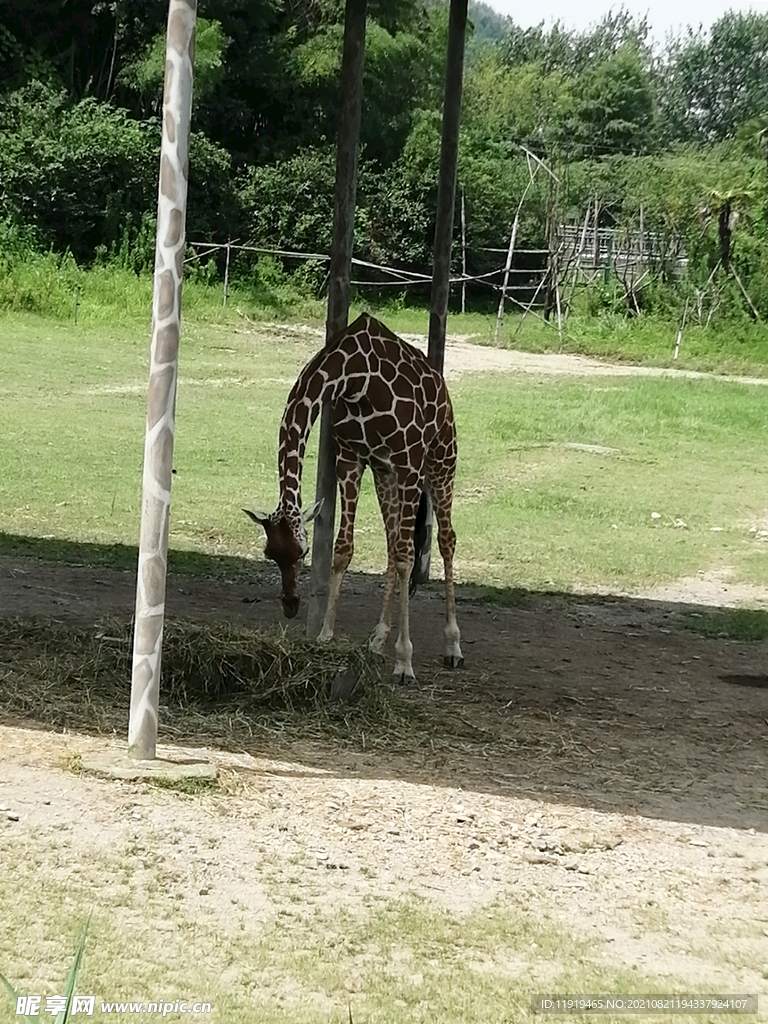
x,y
309,513
262,518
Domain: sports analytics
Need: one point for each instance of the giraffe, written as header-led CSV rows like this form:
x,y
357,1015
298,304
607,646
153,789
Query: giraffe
x,y
390,411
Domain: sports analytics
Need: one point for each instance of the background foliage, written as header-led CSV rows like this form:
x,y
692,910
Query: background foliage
x,y
679,131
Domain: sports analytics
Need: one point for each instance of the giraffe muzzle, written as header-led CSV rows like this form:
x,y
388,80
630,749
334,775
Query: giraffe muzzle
x,y
290,607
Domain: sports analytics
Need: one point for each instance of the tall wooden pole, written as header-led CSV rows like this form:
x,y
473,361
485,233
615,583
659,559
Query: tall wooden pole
x,y
163,372
463,254
446,201
507,272
352,63
446,186
596,233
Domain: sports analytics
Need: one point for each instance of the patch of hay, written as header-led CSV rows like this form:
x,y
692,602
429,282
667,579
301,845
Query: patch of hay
x,y
215,679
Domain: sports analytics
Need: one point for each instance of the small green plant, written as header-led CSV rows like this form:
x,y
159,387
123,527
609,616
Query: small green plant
x,y
73,762
20,1001
189,786
732,623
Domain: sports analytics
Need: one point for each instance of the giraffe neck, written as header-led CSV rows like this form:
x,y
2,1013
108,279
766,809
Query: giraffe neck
x,y
302,408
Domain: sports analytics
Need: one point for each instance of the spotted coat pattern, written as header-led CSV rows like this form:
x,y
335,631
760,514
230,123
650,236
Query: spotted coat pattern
x,y
391,412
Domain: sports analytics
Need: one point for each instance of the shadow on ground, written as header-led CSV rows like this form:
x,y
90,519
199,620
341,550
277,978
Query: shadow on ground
x,y
607,702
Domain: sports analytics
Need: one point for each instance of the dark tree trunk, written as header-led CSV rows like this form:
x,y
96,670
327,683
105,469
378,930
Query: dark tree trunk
x,y
353,59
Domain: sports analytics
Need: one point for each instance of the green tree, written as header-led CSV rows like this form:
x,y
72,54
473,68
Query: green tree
x,y
290,204
82,41
614,107
145,73
716,81
523,104
73,172
487,24
82,174
571,52
393,79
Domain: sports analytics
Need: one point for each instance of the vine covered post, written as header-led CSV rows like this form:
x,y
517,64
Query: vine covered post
x,y
163,372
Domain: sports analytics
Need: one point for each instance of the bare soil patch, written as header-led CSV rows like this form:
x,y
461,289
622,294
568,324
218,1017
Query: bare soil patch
x,y
604,766
464,356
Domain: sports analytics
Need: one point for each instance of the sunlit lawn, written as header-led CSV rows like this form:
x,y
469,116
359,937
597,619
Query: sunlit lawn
x,y
563,482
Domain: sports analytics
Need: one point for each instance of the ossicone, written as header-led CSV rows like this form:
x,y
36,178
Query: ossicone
x,y
262,518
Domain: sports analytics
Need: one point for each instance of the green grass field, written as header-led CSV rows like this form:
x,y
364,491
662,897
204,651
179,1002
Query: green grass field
x,y
54,287
564,482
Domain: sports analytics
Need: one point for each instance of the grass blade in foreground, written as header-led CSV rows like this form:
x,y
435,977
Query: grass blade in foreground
x,y
69,988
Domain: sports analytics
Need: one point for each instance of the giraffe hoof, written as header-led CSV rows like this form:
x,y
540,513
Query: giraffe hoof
x,y
376,645
403,678
451,661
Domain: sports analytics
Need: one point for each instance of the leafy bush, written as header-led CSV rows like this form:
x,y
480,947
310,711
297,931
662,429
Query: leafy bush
x,y
290,205
73,171
83,177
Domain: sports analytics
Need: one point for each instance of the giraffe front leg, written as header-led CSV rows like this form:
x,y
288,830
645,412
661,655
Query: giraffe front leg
x,y
341,561
389,503
349,474
409,493
403,647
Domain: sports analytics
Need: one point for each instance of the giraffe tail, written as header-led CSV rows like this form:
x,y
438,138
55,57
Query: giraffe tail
x,y
422,543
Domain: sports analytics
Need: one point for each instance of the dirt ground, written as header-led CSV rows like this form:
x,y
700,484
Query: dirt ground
x,y
621,791
466,353
612,776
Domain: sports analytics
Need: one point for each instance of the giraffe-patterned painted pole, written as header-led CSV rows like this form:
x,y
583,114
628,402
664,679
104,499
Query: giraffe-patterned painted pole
x,y
163,372
353,59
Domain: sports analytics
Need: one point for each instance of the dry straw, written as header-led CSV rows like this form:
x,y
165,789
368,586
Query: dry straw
x,y
216,679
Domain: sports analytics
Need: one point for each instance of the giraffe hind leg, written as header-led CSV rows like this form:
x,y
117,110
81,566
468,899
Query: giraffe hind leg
x,y
389,503
446,539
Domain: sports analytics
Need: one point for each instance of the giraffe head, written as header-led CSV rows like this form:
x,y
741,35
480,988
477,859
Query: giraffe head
x,y
287,546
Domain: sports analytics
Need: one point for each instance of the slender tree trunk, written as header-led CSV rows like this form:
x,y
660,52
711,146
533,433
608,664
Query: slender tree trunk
x,y
446,201
724,233
352,63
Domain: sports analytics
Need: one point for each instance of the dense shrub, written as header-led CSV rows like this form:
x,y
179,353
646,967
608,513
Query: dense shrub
x,y
83,176
73,172
290,205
